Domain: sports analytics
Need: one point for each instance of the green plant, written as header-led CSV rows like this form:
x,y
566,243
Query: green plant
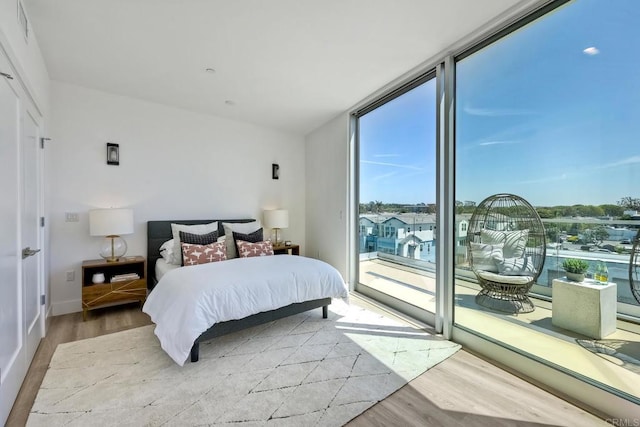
x,y
574,265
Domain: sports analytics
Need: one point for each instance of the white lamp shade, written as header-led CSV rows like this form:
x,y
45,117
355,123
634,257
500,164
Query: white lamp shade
x,y
277,218
110,222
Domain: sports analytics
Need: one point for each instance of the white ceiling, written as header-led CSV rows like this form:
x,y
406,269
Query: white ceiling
x,y
286,64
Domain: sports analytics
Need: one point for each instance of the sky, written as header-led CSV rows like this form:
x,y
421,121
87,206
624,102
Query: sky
x,y
550,112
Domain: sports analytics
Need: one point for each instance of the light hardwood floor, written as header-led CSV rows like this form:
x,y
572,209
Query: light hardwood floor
x,y
464,390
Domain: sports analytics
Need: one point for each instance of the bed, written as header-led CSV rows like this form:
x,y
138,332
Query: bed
x,y
184,290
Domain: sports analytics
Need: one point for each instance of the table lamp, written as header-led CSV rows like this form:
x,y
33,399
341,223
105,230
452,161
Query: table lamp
x,y
276,219
111,223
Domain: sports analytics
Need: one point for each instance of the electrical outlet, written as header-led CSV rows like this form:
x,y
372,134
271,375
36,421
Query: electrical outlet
x,y
71,217
71,276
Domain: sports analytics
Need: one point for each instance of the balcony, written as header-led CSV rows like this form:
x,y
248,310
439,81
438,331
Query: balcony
x,y
611,362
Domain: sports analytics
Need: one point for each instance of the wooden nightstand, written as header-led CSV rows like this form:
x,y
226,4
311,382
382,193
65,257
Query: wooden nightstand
x,y
286,249
113,291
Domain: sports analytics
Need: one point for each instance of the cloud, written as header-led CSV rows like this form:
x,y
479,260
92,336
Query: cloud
x,y
395,165
628,161
386,155
497,112
486,143
591,51
383,176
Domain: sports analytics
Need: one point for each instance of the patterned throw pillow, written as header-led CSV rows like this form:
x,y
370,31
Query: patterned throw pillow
x,y
239,227
253,237
486,257
517,267
202,254
197,239
248,249
194,229
514,242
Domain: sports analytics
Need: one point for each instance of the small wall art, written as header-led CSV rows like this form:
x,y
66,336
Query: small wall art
x,y
113,154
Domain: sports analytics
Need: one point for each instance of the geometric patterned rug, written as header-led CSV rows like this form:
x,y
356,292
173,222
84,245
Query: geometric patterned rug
x,y
299,371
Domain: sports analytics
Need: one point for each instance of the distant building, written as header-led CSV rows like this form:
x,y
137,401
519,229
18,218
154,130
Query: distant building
x,y
621,233
409,235
398,234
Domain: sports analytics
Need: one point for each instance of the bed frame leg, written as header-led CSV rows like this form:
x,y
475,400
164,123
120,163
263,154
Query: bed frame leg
x,y
195,352
325,311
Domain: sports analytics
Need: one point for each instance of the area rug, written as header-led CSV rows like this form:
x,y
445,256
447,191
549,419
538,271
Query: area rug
x,y
299,371
623,353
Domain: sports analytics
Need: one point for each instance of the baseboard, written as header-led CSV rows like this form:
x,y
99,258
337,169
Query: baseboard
x,y
66,307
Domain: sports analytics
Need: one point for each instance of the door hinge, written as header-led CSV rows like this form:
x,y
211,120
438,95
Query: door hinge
x,y
42,299
41,221
42,140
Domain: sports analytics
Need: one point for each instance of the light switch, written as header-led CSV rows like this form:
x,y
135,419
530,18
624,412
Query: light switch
x,y
72,217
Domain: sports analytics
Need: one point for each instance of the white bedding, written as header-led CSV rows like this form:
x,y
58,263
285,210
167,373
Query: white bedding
x,y
189,300
162,267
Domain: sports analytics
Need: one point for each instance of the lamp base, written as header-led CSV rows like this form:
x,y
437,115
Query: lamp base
x,y
278,242
113,247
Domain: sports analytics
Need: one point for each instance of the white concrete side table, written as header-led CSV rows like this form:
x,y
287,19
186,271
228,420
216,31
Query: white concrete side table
x,y
584,307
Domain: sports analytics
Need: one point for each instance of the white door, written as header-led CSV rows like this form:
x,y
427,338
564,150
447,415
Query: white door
x,y
31,242
13,364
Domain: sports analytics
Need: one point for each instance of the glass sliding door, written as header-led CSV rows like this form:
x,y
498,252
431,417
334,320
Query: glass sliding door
x,y
549,112
397,194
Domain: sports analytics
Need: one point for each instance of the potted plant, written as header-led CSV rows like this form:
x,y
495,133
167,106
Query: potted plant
x,y
575,268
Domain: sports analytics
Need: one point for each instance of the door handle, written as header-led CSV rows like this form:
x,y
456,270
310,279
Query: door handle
x,y
27,252
9,76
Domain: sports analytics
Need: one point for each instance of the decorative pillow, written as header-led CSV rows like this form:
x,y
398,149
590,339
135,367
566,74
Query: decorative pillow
x,y
240,227
486,257
517,267
197,239
255,237
514,241
248,249
166,251
202,254
193,229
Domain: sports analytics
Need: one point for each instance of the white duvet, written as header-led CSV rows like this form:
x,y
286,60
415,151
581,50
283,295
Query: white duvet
x,y
189,300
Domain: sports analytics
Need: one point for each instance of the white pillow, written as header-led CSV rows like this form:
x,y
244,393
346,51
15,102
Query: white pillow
x,y
486,257
176,256
515,241
166,250
238,227
517,267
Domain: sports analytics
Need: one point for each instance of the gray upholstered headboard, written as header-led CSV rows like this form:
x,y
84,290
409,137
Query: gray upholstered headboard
x,y
159,232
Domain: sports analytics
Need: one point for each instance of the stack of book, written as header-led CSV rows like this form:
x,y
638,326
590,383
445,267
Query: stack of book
x,y
124,277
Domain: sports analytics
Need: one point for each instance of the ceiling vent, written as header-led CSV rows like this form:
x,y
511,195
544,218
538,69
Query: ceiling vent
x,y
23,21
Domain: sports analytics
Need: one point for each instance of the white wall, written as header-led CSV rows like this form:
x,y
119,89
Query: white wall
x,y
174,164
327,186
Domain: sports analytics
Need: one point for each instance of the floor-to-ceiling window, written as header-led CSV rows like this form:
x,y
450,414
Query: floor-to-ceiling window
x,y
547,110
550,112
396,213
